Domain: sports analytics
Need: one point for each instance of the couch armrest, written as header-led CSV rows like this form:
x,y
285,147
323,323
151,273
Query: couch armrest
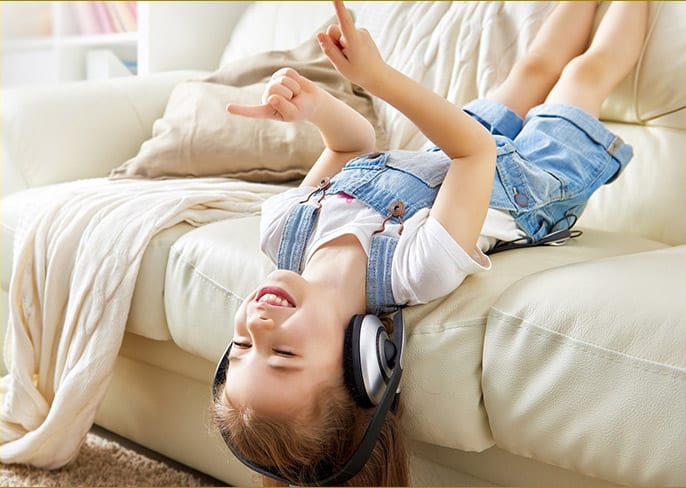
x,y
79,130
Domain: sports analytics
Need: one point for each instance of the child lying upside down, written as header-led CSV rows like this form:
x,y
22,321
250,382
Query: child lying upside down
x,y
366,233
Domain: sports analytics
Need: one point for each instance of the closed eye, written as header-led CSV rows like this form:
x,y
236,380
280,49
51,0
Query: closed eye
x,y
278,352
287,354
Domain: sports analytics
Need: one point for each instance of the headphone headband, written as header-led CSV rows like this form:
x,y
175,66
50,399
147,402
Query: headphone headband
x,y
366,446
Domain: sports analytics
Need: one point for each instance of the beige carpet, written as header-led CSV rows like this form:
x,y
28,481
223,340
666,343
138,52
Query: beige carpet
x,y
104,462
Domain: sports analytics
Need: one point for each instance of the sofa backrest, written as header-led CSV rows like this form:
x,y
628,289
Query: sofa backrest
x,y
461,50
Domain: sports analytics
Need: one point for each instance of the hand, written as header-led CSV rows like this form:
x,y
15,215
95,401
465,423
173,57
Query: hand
x,y
352,51
288,97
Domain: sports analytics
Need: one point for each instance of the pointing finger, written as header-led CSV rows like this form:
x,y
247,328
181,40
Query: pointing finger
x,y
344,19
264,111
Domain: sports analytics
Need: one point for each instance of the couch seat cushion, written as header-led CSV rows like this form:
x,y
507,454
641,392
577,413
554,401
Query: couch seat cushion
x,y
212,268
584,368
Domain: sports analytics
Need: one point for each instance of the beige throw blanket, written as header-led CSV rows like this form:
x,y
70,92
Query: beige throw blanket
x,y
76,257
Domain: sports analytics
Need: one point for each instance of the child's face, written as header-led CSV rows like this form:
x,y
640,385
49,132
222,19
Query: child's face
x,y
287,345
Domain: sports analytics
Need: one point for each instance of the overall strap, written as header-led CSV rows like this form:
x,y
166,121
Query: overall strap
x,y
296,234
380,273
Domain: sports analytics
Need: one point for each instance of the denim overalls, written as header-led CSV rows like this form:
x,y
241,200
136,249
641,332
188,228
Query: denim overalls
x,y
399,183
396,184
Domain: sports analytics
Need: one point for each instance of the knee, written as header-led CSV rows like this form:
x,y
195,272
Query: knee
x,y
588,69
540,66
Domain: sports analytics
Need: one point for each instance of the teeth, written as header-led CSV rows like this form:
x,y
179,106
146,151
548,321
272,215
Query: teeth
x,y
272,299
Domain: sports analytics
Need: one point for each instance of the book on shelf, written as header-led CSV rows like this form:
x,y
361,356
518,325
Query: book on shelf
x,y
105,17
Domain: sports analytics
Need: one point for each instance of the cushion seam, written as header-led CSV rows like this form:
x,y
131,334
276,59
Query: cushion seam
x,y
179,255
443,327
649,365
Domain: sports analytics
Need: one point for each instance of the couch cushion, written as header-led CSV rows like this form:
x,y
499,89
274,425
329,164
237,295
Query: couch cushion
x,y
648,199
583,368
212,268
208,274
147,316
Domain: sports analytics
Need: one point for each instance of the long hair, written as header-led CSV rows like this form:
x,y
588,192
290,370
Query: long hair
x,y
297,451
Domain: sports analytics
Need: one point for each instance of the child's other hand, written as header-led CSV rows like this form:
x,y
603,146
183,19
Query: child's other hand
x,y
352,51
288,97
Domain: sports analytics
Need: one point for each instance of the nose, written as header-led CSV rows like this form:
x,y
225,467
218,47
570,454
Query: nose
x,y
259,323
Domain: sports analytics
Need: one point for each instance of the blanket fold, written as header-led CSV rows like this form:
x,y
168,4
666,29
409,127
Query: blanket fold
x,y
76,258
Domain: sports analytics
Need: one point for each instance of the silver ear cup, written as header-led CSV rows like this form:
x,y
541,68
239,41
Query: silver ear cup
x,y
373,365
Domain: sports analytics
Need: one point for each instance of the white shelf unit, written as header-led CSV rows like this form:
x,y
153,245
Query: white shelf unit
x,y
54,50
170,35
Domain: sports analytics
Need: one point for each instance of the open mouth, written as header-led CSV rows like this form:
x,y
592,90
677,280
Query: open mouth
x,y
275,296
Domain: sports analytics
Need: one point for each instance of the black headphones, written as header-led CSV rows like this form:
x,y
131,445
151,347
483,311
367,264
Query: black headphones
x,y
372,364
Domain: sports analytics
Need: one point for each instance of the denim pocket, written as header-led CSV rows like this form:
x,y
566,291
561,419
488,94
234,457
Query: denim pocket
x,y
520,185
430,166
358,172
367,161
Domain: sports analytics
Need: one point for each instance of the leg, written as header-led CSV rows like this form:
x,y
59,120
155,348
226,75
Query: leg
x,y
588,79
563,36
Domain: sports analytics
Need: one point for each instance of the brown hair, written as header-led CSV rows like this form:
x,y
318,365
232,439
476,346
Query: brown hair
x,y
297,450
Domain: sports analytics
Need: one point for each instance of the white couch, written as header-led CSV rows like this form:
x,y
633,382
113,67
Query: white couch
x,y
562,365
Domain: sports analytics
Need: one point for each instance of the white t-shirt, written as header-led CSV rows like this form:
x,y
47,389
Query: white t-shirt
x,y
427,264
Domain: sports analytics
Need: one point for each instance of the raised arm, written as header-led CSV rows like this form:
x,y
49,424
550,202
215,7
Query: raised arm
x,y
291,97
463,200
